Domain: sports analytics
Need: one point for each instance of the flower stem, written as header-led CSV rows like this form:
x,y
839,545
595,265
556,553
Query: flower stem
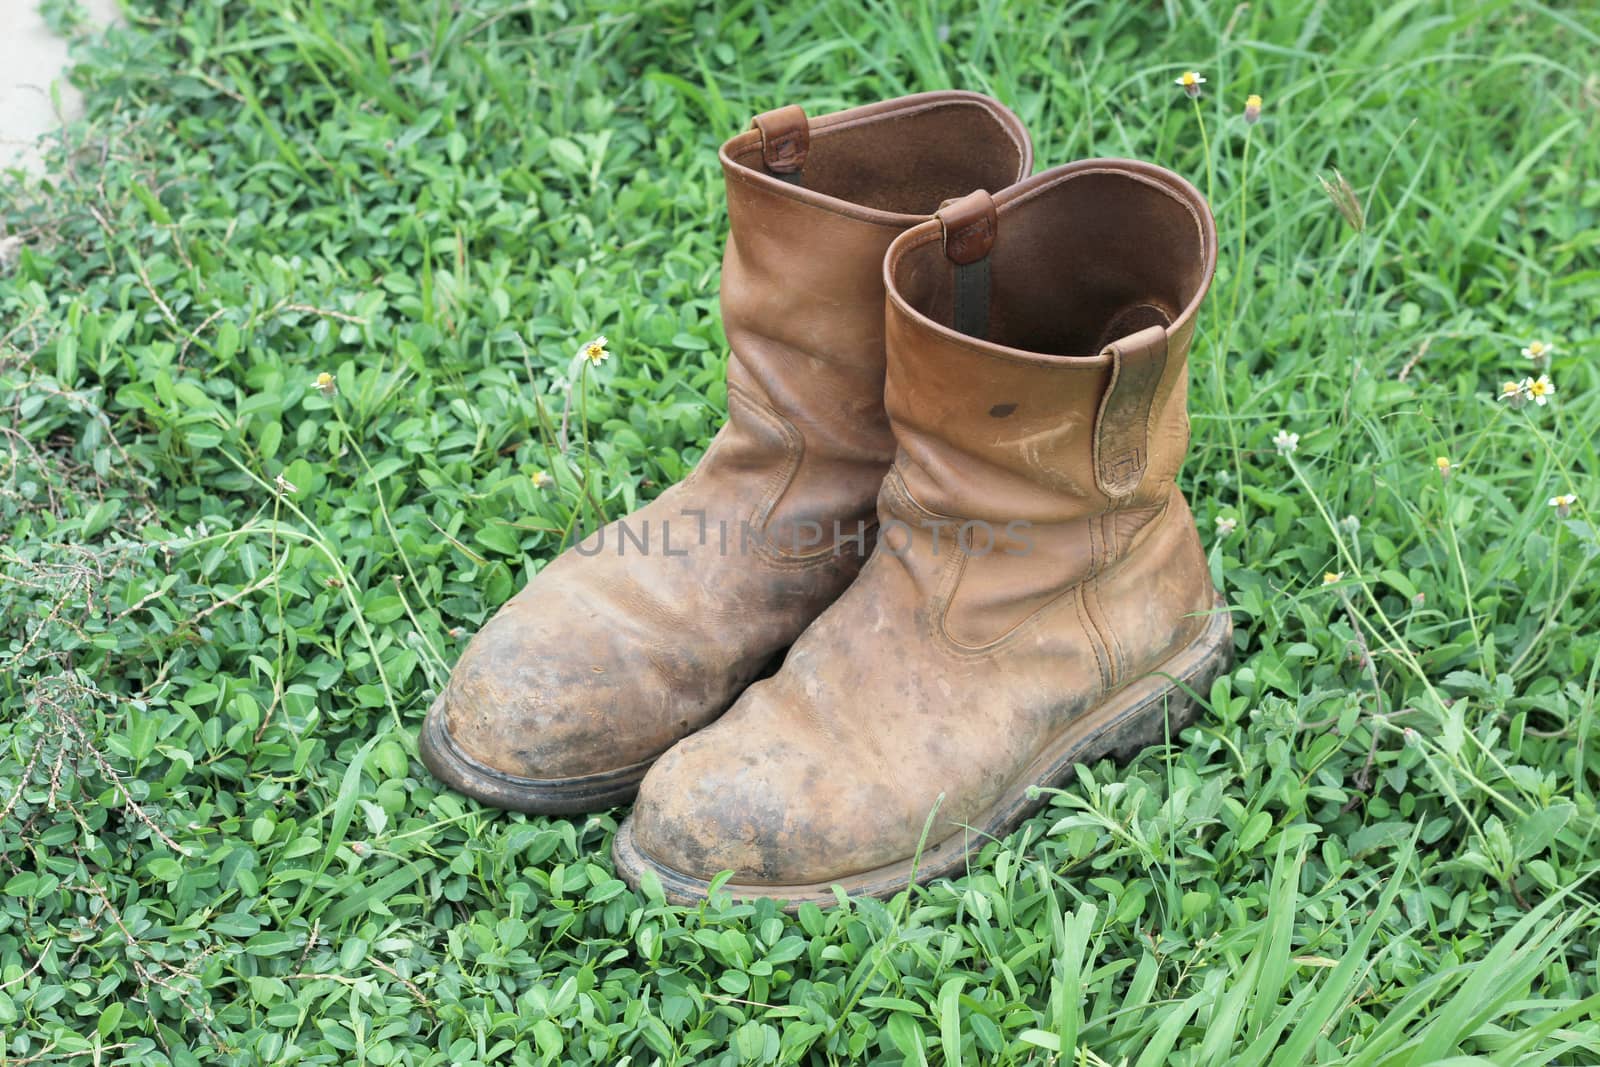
x,y
1226,347
1244,216
1205,144
588,460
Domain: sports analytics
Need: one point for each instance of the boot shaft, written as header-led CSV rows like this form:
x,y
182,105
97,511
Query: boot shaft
x,y
1072,401
813,206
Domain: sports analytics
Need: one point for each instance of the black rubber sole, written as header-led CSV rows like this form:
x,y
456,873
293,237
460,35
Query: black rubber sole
x,y
1128,721
537,796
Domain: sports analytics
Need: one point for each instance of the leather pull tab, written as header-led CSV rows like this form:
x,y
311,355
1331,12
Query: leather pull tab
x,y
969,228
969,225
785,140
1122,427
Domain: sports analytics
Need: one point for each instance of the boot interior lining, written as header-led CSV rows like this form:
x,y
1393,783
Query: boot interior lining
x,y
909,162
1076,265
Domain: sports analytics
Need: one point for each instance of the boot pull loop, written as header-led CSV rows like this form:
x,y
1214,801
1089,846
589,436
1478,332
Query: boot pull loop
x,y
785,140
1122,427
969,227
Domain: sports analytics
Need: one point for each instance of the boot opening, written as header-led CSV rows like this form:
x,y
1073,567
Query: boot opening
x,y
907,160
1101,253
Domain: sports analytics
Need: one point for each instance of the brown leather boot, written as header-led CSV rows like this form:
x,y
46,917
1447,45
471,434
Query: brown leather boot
x,y
1038,597
648,630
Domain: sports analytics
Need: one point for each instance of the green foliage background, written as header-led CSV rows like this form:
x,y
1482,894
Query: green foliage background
x,y
216,842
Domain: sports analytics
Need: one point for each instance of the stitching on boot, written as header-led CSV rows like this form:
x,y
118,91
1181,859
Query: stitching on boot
x,y
1111,665
1090,599
1126,673
1121,443
951,571
1119,654
949,584
793,450
777,486
1095,641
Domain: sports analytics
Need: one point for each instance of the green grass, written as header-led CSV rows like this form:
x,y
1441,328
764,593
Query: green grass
x,y
216,842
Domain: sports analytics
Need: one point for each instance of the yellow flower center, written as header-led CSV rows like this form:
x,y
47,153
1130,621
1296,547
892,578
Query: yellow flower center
x,y
1539,388
1509,388
1253,101
1331,577
1189,77
1442,462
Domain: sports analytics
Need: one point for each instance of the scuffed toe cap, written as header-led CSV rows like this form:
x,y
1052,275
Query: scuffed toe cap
x,y
768,806
538,699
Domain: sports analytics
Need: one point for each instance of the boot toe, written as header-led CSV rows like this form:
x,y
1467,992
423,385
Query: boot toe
x,y
774,812
552,710
530,706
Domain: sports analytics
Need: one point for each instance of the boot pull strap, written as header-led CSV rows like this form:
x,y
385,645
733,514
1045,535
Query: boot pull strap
x,y
1122,427
785,140
969,229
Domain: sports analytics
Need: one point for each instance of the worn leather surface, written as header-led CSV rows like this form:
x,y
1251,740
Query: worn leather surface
x,y
951,662
613,652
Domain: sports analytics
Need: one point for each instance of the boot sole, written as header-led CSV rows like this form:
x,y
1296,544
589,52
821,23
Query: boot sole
x,y
536,796
1121,726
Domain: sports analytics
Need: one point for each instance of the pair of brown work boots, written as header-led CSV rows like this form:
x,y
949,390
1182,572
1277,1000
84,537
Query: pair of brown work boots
x,y
945,497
